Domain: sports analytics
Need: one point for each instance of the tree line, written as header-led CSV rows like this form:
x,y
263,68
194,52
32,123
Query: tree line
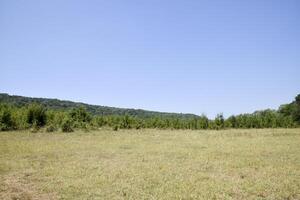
x,y
57,104
34,116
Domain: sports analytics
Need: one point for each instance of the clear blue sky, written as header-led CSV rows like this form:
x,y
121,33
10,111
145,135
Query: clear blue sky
x,y
181,56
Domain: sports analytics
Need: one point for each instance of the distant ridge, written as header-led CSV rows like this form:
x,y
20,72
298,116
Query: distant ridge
x,y
93,109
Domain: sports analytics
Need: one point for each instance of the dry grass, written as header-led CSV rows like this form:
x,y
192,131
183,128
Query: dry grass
x,y
151,164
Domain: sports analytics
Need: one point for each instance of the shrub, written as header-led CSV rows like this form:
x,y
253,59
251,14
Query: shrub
x,y
36,114
51,128
6,121
116,128
126,122
85,127
98,121
138,126
67,125
35,128
80,115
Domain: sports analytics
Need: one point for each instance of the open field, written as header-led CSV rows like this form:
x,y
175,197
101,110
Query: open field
x,y
151,164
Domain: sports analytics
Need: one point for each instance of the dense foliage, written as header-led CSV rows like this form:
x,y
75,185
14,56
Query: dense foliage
x,y
55,104
16,116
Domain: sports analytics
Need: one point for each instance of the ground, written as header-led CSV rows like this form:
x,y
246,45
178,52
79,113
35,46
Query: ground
x,y
151,164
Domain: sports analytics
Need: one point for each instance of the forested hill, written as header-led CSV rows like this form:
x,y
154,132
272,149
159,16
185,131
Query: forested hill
x,y
93,109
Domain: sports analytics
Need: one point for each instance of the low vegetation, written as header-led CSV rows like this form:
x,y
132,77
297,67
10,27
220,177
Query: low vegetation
x,y
151,164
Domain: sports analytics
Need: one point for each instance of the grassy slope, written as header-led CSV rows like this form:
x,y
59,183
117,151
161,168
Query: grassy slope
x,y
151,164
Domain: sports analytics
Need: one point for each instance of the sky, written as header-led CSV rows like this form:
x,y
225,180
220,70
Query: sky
x,y
195,56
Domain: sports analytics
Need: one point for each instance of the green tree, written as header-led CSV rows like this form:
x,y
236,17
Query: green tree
x,y
296,112
232,121
203,122
219,121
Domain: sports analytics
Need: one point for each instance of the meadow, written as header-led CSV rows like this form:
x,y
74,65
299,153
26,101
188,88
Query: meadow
x,y
151,164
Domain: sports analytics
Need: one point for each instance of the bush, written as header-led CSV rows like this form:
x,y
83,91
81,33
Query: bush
x,y
98,121
126,122
80,115
116,128
36,114
85,127
6,121
51,128
35,128
138,126
67,126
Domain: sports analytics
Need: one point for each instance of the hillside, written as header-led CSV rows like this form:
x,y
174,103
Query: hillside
x,y
93,109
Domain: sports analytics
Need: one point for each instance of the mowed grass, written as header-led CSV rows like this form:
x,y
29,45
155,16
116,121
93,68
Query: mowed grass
x,y
151,164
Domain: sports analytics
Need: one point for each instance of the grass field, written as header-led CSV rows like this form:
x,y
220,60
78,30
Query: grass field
x,y
151,164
